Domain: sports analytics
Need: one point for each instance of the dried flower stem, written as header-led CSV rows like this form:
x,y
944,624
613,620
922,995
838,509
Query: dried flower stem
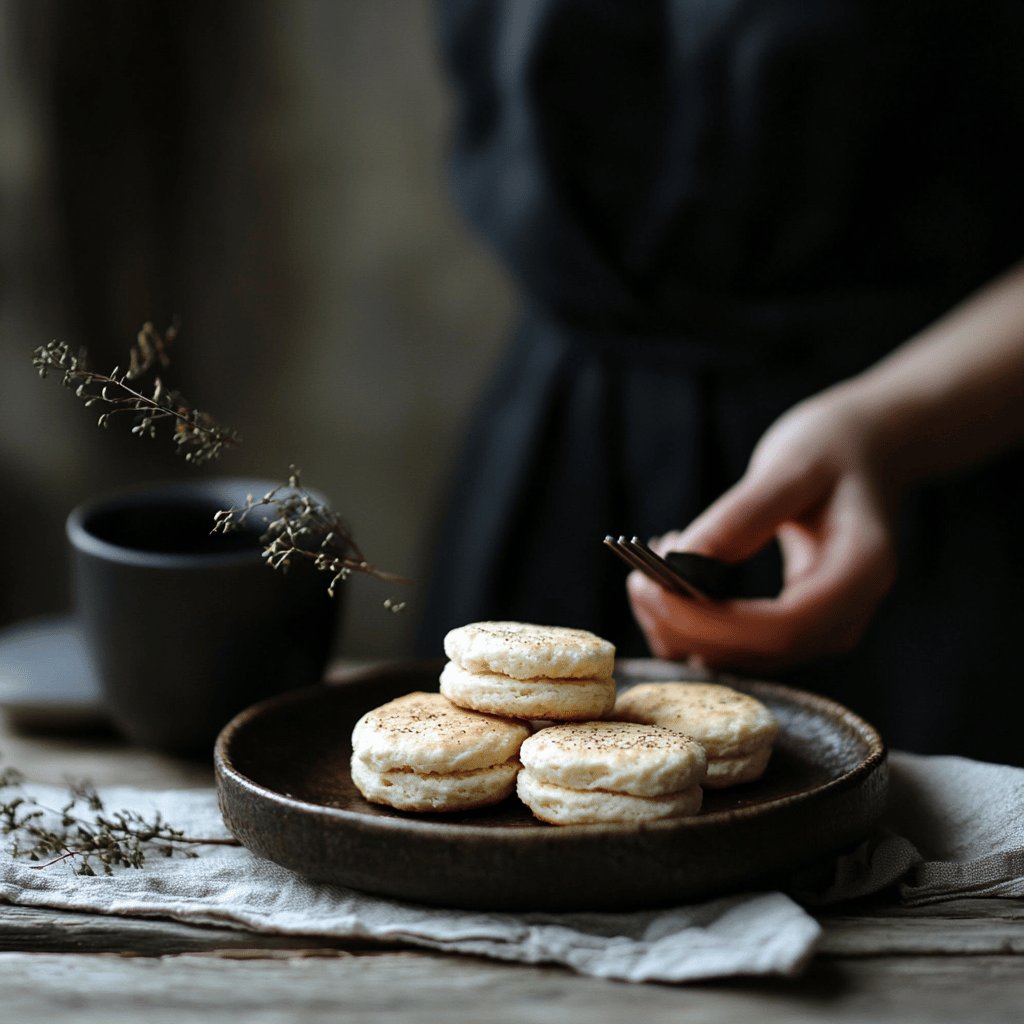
x,y
299,527
302,527
84,832
198,436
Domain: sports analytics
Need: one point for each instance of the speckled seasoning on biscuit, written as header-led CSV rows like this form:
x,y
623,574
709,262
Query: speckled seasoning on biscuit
x,y
524,650
422,753
736,730
566,700
529,671
597,772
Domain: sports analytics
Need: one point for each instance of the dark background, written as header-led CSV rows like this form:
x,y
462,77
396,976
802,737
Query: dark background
x,y
272,174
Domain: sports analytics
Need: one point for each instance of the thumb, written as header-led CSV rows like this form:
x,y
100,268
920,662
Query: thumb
x,y
744,519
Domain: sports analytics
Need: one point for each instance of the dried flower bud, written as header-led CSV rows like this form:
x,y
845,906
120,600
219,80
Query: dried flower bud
x,y
196,433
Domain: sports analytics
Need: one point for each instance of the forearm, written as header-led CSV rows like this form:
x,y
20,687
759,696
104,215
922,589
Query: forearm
x,y
954,394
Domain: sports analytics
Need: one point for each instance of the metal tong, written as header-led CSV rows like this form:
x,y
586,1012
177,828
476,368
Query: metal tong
x,y
681,572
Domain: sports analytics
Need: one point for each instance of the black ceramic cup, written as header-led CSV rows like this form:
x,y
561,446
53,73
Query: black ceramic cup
x,y
185,627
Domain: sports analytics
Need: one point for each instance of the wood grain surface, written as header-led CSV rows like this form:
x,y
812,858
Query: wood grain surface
x,y
956,961
427,988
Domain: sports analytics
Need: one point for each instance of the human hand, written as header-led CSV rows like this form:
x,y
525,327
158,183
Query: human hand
x,y
817,482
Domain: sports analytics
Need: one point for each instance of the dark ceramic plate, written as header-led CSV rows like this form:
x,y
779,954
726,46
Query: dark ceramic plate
x,y
283,778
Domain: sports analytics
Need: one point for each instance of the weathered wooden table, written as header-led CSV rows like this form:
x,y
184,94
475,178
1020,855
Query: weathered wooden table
x,y
957,961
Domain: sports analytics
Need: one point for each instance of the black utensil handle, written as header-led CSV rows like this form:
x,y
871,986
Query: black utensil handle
x,y
720,581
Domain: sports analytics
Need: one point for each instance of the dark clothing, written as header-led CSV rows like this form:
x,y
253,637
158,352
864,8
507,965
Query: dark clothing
x,y
714,211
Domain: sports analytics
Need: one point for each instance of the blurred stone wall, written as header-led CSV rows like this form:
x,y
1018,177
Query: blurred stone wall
x,y
272,173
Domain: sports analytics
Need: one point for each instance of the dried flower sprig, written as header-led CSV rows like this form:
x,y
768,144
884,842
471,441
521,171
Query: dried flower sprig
x,y
197,434
298,526
83,833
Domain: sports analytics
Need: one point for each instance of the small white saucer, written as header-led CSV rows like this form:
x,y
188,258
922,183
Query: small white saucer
x,y
46,679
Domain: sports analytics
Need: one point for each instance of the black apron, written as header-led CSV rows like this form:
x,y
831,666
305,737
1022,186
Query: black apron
x,y
714,211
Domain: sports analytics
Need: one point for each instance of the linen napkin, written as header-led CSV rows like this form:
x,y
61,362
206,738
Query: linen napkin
x,y
953,828
752,933
966,820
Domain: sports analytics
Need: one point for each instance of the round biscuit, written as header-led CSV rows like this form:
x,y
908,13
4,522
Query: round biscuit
x,y
733,771
427,733
527,651
559,805
724,721
416,791
575,700
638,760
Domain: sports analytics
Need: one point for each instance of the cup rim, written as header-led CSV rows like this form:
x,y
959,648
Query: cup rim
x,y
226,491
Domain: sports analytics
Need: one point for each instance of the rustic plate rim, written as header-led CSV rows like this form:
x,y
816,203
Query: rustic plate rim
x,y
227,771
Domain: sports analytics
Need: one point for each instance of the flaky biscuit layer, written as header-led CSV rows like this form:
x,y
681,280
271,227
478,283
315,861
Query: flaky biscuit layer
x,y
733,771
439,792
558,805
558,699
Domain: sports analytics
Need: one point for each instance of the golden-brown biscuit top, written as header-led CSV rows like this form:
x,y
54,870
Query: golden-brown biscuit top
x,y
427,733
620,757
524,650
723,720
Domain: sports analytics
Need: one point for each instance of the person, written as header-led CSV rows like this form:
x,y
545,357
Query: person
x,y
827,480
769,258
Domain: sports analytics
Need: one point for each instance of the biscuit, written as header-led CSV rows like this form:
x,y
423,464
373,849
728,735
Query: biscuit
x,y
526,651
407,790
558,805
620,757
422,753
427,733
736,730
575,700
595,772
731,771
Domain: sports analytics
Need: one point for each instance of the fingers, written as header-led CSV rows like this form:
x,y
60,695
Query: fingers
x,y
839,563
744,519
811,484
843,565
727,635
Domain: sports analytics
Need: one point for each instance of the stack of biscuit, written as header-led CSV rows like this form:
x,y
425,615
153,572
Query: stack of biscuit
x,y
422,753
458,749
599,772
529,672
470,745
736,730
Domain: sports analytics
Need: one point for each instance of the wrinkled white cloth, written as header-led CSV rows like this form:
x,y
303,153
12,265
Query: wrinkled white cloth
x,y
954,827
755,933
965,820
